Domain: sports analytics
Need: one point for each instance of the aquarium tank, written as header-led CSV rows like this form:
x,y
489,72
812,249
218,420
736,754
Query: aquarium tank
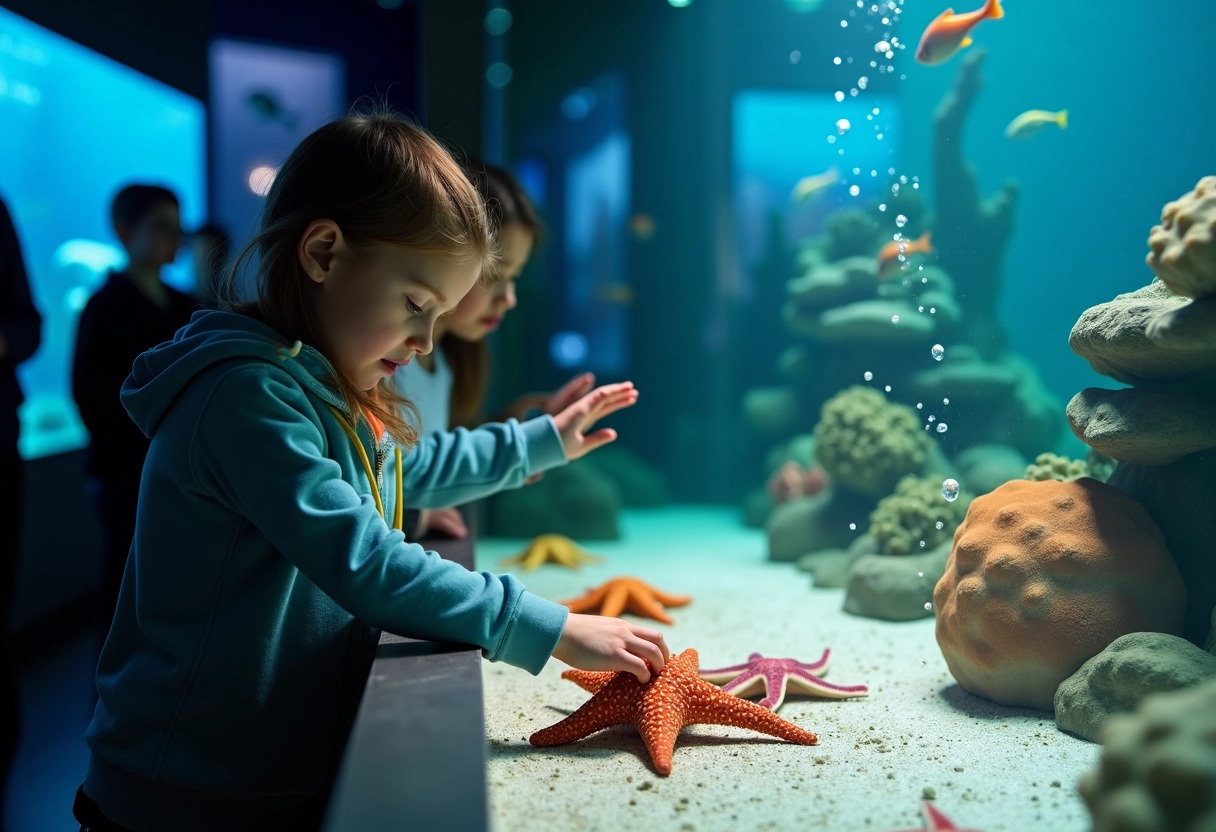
x,y
920,303
76,127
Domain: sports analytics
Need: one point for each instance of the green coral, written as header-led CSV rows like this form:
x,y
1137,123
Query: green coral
x,y
1054,467
917,512
866,443
851,232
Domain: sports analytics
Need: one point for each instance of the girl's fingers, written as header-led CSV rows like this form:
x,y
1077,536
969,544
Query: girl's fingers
x,y
635,665
649,652
656,638
598,439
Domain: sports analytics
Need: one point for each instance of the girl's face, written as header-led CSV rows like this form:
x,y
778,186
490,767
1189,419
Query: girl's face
x,y
483,308
376,309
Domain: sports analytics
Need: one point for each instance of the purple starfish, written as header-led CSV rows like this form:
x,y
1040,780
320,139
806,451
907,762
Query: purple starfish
x,y
775,674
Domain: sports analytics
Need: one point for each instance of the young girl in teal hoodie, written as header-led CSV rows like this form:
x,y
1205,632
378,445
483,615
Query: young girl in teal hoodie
x,y
267,551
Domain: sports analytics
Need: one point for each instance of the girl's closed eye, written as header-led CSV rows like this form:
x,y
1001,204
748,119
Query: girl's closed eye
x,y
413,307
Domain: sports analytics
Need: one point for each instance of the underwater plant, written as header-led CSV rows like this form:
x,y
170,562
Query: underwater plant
x,y
866,443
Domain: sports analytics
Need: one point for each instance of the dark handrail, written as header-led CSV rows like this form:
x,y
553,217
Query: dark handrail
x,y
416,757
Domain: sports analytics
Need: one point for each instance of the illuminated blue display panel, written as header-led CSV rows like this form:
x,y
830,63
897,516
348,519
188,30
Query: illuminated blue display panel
x,y
74,128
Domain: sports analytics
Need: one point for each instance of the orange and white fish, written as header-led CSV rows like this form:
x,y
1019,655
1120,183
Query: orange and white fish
x,y
888,257
950,32
1029,123
808,186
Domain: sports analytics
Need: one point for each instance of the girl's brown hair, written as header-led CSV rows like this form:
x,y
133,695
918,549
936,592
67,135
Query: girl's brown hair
x,y
507,203
382,179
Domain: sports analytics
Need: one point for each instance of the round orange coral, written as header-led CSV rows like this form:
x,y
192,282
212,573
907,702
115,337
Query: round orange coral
x,y
1042,576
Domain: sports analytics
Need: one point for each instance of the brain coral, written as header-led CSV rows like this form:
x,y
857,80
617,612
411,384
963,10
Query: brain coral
x,y
916,517
865,443
1042,576
1051,466
1158,769
1182,249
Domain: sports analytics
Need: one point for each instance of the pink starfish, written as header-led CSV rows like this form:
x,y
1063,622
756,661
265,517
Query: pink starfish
x,y
936,821
775,674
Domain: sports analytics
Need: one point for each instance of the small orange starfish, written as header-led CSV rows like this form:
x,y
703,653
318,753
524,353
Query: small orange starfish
x,y
626,594
672,699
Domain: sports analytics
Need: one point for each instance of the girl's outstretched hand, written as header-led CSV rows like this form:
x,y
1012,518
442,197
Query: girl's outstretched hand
x,y
593,642
551,403
574,422
443,520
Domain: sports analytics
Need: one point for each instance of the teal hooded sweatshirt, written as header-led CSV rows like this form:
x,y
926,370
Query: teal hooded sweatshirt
x,y
261,571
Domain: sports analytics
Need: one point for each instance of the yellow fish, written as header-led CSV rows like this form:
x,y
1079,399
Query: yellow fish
x,y
950,32
1029,123
808,186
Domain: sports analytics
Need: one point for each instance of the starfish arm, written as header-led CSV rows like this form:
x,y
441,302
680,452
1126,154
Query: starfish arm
x,y
589,600
640,602
590,680
809,683
596,714
774,686
744,683
669,600
713,707
614,602
724,674
820,665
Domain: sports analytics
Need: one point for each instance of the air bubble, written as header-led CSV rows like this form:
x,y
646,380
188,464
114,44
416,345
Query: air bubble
x,y
939,525
928,608
867,375
842,126
894,319
852,527
941,427
938,352
950,490
854,190
900,220
945,401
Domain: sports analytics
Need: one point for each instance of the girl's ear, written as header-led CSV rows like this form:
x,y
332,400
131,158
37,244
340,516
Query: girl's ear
x,y
317,246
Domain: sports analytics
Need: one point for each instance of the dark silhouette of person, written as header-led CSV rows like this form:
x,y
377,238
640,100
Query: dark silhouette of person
x,y
132,312
20,334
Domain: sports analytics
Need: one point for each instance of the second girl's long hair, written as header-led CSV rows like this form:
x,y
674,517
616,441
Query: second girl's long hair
x,y
507,203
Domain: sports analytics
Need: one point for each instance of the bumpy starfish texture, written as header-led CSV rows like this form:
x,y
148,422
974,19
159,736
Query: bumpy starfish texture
x,y
551,548
936,821
776,675
673,698
628,595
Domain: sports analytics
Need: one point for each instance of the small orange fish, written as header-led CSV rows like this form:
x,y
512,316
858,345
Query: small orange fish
x,y
950,32
888,257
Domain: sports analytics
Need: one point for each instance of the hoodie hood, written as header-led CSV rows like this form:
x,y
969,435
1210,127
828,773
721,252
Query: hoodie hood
x,y
212,336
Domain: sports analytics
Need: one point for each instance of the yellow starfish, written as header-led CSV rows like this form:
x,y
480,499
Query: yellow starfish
x,y
551,548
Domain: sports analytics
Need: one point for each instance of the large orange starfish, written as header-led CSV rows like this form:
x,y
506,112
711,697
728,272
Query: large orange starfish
x,y
626,594
673,698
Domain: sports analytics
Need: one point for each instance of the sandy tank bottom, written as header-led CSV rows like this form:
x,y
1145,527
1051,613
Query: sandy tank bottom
x,y
917,734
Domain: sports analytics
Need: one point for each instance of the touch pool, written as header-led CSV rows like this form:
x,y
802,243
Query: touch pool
x,y
916,735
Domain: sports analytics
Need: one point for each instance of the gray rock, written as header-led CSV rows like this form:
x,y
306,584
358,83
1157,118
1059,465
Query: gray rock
x,y
1121,676
868,321
983,468
1158,766
829,568
771,410
1142,425
1114,338
895,587
1179,498
1191,326
574,500
812,523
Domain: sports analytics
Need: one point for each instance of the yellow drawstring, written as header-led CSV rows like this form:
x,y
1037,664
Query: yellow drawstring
x,y
398,512
286,353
